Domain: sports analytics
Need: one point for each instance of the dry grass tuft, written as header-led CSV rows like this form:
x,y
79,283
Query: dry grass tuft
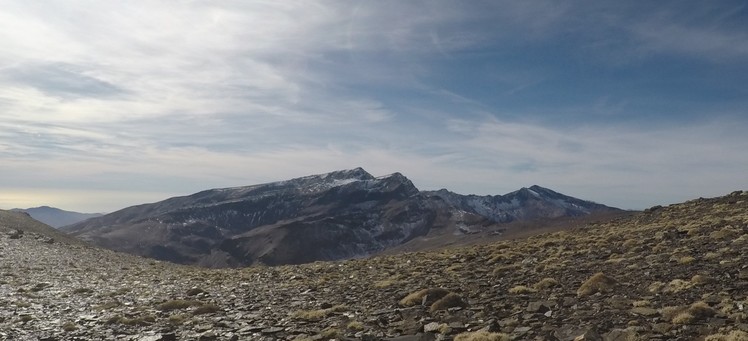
x,y
481,336
355,325
701,280
545,283
385,283
431,294
146,320
725,233
677,285
500,270
655,287
208,308
599,282
701,310
668,313
686,260
315,315
69,326
521,289
735,335
303,338
178,304
195,291
683,318
687,315
80,290
450,301
108,305
331,333
642,303
499,258
177,319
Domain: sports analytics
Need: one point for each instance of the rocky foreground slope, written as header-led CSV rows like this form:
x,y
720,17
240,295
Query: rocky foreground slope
x,y
669,273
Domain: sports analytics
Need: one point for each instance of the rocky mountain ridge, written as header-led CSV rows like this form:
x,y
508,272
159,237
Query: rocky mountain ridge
x,y
524,204
338,215
669,273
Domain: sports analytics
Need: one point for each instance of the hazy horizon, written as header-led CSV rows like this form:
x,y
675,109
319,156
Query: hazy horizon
x,y
106,105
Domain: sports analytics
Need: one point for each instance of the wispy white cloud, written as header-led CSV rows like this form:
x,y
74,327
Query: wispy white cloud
x,y
176,96
673,31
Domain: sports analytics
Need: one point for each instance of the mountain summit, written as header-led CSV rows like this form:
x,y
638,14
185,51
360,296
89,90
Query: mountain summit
x,y
337,215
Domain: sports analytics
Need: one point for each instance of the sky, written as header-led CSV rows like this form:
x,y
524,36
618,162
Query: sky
x,y
108,104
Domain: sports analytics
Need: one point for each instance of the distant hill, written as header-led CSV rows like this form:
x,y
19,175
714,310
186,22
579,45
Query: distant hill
x,y
21,224
56,217
338,215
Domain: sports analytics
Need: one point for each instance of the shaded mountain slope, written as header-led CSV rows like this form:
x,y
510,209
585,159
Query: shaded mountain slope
x,y
669,273
522,205
331,216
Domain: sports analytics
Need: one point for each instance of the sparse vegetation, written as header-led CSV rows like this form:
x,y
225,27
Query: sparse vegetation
x,y
701,280
81,291
355,325
735,335
194,291
677,285
481,336
686,260
545,283
642,303
22,304
178,304
69,326
701,310
598,283
432,294
386,283
318,314
501,270
668,313
521,289
331,333
208,308
177,319
108,305
451,300
25,318
135,321
683,318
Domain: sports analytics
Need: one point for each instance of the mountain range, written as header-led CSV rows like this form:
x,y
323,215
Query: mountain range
x,y
56,217
337,215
